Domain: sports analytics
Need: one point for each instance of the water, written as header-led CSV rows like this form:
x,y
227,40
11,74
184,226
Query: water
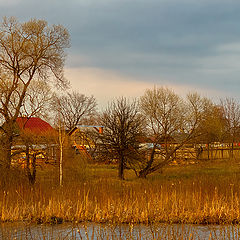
x,y
125,231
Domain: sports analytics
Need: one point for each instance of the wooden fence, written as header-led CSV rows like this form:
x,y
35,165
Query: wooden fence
x,y
203,153
208,153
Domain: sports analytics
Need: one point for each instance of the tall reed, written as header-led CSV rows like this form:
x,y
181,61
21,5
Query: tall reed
x,y
198,200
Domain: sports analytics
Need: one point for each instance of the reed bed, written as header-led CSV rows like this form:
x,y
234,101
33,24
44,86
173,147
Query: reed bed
x,y
200,199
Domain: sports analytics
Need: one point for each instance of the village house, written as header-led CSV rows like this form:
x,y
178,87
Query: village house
x,y
35,138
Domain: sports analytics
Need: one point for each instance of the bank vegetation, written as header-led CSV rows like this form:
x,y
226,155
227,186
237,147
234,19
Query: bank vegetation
x,y
199,194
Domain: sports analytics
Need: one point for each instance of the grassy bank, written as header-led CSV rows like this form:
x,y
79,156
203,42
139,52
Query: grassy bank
x,y
208,192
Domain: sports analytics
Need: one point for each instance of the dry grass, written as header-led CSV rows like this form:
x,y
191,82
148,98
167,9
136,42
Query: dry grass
x,y
189,194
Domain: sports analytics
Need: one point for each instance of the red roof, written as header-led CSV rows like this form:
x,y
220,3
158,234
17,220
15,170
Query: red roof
x,y
34,125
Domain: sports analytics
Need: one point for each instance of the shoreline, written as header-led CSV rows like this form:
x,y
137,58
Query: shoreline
x,y
202,194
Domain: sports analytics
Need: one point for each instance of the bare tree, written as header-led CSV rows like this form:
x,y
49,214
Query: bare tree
x,y
123,125
70,110
29,51
74,108
171,121
231,113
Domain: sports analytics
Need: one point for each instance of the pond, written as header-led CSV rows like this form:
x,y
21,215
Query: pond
x,y
124,231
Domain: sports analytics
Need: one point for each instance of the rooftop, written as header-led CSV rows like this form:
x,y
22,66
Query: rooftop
x,y
34,125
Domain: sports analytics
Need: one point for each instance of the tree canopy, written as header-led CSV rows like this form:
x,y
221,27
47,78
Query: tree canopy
x,y
30,51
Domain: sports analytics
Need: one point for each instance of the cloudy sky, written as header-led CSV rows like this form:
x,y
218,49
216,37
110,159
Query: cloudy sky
x,y
122,47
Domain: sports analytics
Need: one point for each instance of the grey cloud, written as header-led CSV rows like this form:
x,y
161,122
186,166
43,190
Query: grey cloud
x,y
153,39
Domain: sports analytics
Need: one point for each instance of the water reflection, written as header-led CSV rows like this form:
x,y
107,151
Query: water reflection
x,y
124,231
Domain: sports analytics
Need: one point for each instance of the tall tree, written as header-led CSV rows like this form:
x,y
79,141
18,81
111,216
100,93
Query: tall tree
x,y
123,125
29,51
231,113
171,121
70,109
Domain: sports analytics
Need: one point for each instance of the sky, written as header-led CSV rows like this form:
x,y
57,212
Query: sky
x,y
122,47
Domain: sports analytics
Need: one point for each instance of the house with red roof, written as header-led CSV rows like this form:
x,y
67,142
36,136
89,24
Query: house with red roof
x,y
35,139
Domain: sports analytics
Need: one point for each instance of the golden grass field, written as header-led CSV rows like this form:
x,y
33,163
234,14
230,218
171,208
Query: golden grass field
x,y
203,193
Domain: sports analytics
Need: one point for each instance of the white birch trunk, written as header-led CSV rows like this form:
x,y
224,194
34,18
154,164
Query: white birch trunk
x,y
61,140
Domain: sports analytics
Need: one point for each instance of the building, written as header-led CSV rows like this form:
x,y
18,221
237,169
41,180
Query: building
x,y
35,139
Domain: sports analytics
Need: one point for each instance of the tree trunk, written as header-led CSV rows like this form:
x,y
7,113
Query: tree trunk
x,y
121,167
30,166
33,177
208,151
28,163
7,144
7,151
61,166
144,172
61,139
